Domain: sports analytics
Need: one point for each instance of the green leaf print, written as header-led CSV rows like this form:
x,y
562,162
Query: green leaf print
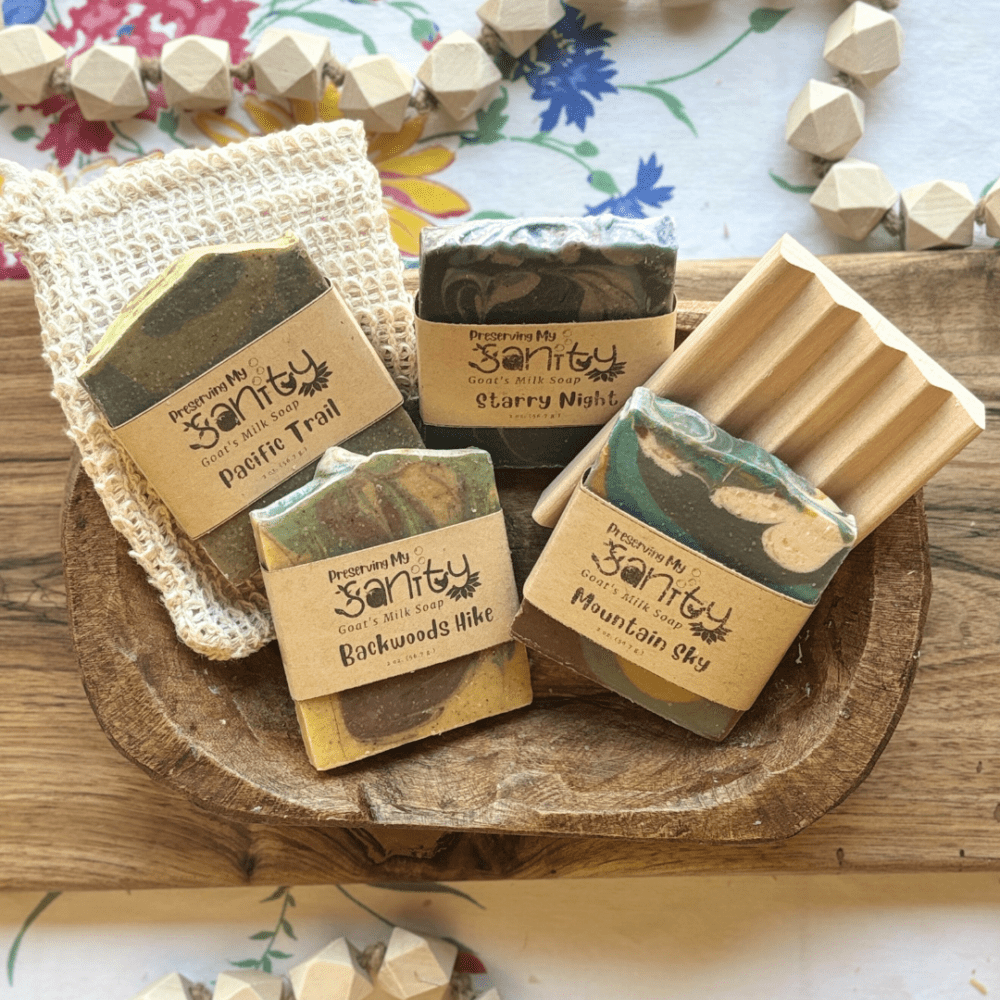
x,y
673,104
603,181
765,18
23,133
585,149
334,24
43,904
788,186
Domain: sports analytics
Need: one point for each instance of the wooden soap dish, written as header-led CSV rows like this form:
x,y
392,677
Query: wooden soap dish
x,y
579,761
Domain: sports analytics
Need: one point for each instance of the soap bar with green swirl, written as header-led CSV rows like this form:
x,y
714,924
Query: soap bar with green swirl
x,y
205,306
542,274
736,513
356,503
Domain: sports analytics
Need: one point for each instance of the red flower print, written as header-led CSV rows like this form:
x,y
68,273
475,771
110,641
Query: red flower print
x,y
10,265
70,132
103,21
100,21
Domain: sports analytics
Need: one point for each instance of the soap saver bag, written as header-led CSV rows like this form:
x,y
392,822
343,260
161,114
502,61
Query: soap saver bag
x,y
90,249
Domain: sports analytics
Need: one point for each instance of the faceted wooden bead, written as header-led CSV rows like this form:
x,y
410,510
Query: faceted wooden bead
x,y
288,63
415,967
196,73
937,215
27,58
520,23
853,197
107,83
171,987
333,973
377,91
865,43
248,984
991,210
459,74
825,120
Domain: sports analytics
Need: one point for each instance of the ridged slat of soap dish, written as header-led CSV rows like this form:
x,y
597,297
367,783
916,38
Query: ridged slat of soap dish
x,y
924,416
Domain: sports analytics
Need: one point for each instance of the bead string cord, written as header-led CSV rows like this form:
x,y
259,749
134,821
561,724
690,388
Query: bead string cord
x,y
854,196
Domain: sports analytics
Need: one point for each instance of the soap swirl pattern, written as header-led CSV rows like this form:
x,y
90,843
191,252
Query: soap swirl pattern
x,y
724,497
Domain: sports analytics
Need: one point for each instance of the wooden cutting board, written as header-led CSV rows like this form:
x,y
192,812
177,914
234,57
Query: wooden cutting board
x,y
77,815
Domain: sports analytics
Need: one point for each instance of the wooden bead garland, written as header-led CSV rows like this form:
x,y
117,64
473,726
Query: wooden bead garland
x,y
109,81
865,45
407,967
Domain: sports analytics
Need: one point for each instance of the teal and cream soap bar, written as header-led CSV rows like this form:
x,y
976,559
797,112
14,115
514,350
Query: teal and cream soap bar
x,y
684,567
228,376
387,575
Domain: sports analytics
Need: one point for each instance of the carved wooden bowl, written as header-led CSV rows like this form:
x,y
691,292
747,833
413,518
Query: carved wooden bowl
x,y
579,761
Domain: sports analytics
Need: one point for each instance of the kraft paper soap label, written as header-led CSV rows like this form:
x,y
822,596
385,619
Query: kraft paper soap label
x,y
393,608
536,375
235,432
661,605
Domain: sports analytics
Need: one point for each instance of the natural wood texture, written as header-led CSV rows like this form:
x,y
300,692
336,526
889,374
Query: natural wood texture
x,y
195,72
289,63
520,23
853,197
459,73
937,215
248,984
78,815
225,733
797,362
865,43
107,84
27,58
332,973
172,986
415,968
376,91
990,206
825,120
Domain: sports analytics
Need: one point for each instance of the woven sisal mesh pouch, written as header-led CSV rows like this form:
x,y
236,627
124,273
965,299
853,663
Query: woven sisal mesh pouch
x,y
90,250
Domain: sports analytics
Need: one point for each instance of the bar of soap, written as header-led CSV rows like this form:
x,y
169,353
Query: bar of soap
x,y
356,502
206,305
542,271
728,499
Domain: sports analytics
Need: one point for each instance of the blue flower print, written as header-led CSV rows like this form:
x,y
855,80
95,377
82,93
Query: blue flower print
x,y
645,192
566,65
22,11
565,82
573,27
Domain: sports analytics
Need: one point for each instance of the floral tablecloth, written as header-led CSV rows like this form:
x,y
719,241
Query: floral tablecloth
x,y
635,111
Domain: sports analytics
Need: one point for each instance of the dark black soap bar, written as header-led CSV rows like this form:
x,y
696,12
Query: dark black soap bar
x,y
542,271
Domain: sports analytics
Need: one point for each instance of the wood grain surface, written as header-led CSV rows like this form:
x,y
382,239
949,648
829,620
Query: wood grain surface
x,y
78,815
578,761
